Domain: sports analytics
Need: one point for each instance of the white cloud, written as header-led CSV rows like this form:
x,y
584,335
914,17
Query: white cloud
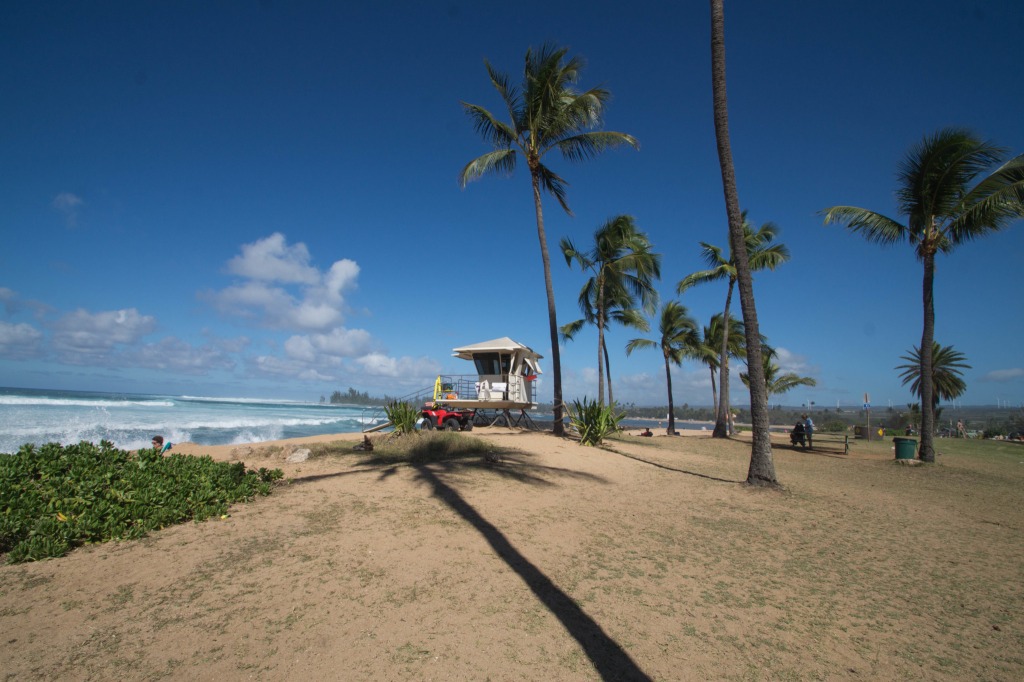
x,y
12,304
289,368
67,205
281,290
791,362
344,342
1000,375
405,368
272,260
174,354
18,341
85,333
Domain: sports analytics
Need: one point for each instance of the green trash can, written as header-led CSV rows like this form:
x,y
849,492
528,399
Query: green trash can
x,y
906,448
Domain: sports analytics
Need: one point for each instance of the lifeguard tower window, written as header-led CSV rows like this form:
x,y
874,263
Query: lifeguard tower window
x,y
491,363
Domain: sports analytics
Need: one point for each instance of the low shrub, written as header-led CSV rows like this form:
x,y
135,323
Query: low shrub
x,y
402,416
55,497
594,421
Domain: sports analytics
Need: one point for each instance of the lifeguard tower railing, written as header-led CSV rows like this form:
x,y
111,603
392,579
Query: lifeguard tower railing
x,y
497,390
470,391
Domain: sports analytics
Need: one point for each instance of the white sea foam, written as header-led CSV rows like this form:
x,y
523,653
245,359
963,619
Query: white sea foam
x,y
246,401
80,402
65,417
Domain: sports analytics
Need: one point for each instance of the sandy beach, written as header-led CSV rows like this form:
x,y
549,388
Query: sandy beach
x,y
646,560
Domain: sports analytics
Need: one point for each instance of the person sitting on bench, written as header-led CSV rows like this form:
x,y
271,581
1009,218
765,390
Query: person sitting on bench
x,y
797,435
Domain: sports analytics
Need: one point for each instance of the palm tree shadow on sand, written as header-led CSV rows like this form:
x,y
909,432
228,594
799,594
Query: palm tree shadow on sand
x,y
609,659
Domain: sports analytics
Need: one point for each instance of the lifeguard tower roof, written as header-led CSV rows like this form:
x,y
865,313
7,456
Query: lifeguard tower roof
x,y
504,344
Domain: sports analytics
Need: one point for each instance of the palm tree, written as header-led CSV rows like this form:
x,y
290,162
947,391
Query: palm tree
x,y
942,211
624,272
709,352
762,254
946,375
777,383
618,312
679,338
545,113
762,468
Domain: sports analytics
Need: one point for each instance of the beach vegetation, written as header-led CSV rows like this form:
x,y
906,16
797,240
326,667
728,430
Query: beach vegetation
x,y
679,339
56,497
624,271
402,415
545,113
593,421
943,210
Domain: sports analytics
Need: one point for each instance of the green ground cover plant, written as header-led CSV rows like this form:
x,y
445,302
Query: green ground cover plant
x,y
57,497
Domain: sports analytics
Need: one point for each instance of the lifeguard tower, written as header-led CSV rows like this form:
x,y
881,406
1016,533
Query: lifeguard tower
x,y
505,380
506,372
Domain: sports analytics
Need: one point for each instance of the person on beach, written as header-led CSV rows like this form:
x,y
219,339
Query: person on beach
x,y
160,446
809,430
797,435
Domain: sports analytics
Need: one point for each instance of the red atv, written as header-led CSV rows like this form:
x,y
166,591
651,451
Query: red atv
x,y
440,417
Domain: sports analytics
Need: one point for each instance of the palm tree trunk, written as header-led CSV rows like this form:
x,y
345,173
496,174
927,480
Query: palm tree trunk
x,y
600,339
556,360
671,408
608,373
762,467
722,412
714,392
927,452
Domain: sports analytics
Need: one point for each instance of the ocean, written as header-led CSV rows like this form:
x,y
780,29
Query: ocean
x,y
130,421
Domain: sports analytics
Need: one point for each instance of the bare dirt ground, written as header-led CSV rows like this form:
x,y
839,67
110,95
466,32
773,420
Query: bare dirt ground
x,y
561,562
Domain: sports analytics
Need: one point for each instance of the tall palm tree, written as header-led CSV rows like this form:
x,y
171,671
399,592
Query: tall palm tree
x,y
762,254
679,338
619,312
762,467
942,211
777,383
947,363
624,269
545,113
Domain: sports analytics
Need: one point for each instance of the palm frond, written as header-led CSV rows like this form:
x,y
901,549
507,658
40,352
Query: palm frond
x,y
490,128
639,343
501,161
874,227
703,277
991,204
568,332
553,185
588,145
509,94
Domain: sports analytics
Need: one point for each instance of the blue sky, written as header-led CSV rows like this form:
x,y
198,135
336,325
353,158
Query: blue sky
x,y
261,199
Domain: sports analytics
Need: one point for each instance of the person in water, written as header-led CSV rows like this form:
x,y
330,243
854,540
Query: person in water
x,y
160,446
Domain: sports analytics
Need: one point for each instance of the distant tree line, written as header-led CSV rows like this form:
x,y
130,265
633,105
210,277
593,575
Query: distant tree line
x,y
354,397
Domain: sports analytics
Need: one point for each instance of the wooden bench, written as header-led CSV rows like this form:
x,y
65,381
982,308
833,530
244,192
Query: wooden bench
x,y
829,440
